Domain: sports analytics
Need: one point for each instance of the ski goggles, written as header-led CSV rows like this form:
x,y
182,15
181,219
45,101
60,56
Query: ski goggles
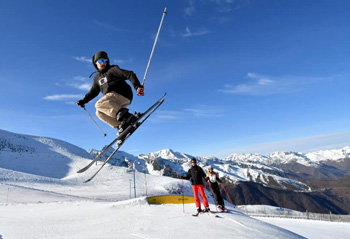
x,y
102,60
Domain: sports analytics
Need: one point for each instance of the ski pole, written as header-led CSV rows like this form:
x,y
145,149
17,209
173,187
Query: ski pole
x,y
154,45
183,196
212,192
222,185
104,134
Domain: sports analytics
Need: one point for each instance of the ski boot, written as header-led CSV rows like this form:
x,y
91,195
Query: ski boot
x,y
222,208
126,119
207,209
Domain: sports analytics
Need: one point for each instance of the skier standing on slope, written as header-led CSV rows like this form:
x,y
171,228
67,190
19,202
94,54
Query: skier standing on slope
x,y
214,180
117,94
197,175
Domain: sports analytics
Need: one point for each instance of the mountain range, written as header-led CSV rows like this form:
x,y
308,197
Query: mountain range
x,y
315,181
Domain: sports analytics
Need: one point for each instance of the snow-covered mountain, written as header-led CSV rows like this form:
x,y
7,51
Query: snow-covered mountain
x,y
51,157
280,169
38,155
32,160
170,163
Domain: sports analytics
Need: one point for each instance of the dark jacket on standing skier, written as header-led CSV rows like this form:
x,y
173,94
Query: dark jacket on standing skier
x,y
196,174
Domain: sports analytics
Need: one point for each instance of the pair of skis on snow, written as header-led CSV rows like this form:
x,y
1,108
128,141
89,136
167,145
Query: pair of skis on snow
x,y
124,136
210,213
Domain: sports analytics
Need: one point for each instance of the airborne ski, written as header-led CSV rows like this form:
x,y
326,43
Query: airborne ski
x,y
123,137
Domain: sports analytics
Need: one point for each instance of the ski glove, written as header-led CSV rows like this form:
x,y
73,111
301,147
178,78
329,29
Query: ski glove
x,y
140,91
81,103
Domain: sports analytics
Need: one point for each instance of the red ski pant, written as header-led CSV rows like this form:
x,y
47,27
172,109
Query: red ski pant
x,y
199,188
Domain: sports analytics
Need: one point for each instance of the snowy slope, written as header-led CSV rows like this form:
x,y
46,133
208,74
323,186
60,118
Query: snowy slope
x,y
38,155
56,204
51,201
126,219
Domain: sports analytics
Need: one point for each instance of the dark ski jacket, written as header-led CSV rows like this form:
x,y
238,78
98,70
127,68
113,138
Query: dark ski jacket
x,y
196,174
112,79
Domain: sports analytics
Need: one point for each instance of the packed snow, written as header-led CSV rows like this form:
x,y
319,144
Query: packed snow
x,y
311,228
42,196
38,207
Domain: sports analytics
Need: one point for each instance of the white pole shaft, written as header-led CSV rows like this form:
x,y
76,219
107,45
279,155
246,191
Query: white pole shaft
x,y
154,45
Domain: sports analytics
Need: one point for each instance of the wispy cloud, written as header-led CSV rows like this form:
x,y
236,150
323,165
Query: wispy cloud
x,y
205,111
122,61
82,59
196,111
261,85
230,5
190,9
113,61
109,27
83,86
80,82
221,6
62,97
199,32
169,115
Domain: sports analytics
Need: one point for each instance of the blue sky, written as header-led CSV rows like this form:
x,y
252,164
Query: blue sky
x,y
244,76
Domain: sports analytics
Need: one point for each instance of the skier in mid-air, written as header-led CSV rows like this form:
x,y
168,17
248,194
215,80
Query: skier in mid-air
x,y
117,94
196,174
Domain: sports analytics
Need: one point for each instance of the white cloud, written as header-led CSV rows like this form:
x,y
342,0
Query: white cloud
x,y
197,111
81,83
81,78
190,9
230,5
109,26
113,61
82,59
62,97
205,111
85,86
261,85
168,115
199,32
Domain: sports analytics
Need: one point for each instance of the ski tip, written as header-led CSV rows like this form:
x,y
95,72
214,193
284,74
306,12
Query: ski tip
x,y
88,180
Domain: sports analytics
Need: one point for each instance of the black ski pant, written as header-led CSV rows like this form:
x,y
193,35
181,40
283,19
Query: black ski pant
x,y
217,194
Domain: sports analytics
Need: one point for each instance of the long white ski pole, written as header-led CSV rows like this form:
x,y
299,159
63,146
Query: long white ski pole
x,y
154,45
104,134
